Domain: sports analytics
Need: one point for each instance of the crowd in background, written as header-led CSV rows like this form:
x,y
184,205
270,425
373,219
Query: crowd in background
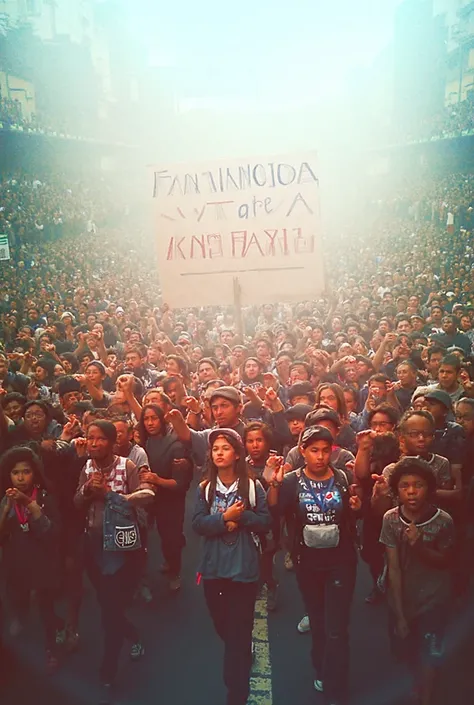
x,y
98,375
455,120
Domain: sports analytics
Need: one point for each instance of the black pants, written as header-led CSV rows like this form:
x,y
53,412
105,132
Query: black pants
x,y
114,595
266,570
232,606
19,599
373,552
327,595
169,517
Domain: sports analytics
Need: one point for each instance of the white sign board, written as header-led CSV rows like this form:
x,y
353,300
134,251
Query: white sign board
x,y
258,220
4,248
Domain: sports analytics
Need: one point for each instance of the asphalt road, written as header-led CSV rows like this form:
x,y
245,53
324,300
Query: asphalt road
x,y
182,664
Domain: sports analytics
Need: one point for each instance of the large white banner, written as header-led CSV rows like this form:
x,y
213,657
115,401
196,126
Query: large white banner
x,y
258,220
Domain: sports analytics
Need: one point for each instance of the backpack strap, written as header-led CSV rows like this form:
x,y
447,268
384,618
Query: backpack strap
x,y
341,478
252,493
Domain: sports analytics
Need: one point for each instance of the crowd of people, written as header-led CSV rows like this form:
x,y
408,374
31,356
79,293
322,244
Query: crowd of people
x,y
34,211
454,120
334,428
13,119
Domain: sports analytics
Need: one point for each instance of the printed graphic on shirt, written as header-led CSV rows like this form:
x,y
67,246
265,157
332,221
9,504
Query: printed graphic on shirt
x,y
319,502
222,501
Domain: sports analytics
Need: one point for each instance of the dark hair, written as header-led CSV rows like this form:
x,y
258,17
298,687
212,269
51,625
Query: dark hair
x,y
85,353
60,327
352,392
107,428
386,449
168,381
123,419
12,396
42,404
304,364
284,353
451,361
379,377
412,412
164,397
259,426
243,375
141,425
21,454
410,364
209,360
337,389
244,475
181,362
72,359
434,350
466,400
386,409
412,465
80,407
469,369
136,351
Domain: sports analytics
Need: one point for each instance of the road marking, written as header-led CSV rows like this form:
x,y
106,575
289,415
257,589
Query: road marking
x,y
261,679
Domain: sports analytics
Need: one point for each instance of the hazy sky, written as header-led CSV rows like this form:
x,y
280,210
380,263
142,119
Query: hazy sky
x,y
258,77
258,49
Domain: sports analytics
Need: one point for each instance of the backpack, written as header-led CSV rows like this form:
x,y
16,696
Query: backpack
x,y
252,493
253,503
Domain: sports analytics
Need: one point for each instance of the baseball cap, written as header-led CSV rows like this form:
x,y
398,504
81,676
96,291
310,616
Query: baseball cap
x,y
229,393
323,414
298,412
66,314
228,433
315,433
441,396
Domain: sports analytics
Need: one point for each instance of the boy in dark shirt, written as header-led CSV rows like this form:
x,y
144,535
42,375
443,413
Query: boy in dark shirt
x,y
419,541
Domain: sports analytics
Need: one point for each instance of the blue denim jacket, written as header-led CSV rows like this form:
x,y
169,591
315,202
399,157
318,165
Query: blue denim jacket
x,y
121,528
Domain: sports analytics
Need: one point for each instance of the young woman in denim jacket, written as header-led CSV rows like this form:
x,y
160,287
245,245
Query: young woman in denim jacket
x,y
110,492
231,509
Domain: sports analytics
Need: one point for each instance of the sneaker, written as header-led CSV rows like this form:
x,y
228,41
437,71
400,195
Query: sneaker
x,y
435,645
137,651
374,597
318,685
175,583
105,694
71,642
272,598
303,626
288,562
51,663
145,594
60,637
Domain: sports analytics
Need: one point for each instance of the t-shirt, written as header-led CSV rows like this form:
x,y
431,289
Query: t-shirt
x,y
339,458
439,465
449,442
307,502
423,586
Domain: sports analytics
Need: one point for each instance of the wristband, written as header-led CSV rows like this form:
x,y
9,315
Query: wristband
x,y
275,483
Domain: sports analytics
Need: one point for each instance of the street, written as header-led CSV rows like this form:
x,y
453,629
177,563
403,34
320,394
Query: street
x,y
183,659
